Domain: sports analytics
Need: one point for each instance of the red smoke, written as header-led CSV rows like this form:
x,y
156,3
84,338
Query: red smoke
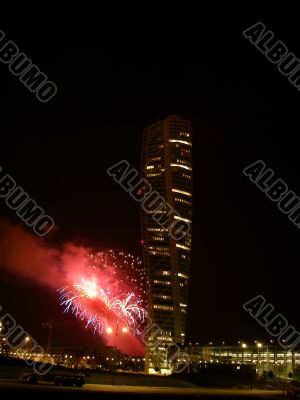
x,y
24,254
28,256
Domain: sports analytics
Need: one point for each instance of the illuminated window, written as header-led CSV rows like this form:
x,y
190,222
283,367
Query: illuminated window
x,y
182,275
158,238
161,282
181,246
159,253
162,296
162,307
183,219
182,192
183,201
158,248
151,175
180,141
155,158
155,229
181,166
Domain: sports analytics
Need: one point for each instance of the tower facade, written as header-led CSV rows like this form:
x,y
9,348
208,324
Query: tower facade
x,y
167,167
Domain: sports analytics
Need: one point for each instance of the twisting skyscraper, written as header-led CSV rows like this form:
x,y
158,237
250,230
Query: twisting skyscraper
x,y
167,167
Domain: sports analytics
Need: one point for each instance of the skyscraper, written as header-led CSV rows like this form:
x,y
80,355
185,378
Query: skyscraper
x,y
167,167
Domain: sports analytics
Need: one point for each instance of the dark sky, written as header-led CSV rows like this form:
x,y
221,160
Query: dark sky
x,y
118,69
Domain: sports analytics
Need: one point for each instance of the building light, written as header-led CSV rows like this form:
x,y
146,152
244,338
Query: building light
x,y
163,307
150,166
182,192
180,141
181,166
181,246
179,200
183,219
159,253
182,275
182,305
155,158
158,248
184,134
162,296
151,175
161,282
158,238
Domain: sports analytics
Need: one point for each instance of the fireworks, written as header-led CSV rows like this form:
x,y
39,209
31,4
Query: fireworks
x,y
110,289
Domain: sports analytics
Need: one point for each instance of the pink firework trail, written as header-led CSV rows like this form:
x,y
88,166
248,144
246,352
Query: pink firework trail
x,y
110,291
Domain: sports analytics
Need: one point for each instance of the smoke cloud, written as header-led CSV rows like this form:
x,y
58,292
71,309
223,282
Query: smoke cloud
x,y
25,255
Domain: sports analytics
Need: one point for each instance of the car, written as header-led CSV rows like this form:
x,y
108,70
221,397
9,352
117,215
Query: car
x,y
69,380
28,378
293,388
58,379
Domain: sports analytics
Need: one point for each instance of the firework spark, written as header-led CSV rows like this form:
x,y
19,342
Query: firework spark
x,y
110,291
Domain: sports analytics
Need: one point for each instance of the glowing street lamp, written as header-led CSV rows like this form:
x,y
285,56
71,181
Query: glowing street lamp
x,y
109,331
244,346
259,346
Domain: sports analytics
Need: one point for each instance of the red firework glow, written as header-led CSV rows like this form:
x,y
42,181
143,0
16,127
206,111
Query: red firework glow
x,y
109,292
101,288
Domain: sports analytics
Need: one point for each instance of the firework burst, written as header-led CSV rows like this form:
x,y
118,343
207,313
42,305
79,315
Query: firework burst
x,y
110,290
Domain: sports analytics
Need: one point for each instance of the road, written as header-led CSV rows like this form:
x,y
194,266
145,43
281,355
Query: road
x,y
42,391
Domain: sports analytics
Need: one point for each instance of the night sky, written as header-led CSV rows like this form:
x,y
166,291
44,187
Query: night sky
x,y
119,69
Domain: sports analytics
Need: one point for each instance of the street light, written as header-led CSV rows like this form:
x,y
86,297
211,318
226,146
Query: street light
x,y
244,346
259,346
109,331
27,340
